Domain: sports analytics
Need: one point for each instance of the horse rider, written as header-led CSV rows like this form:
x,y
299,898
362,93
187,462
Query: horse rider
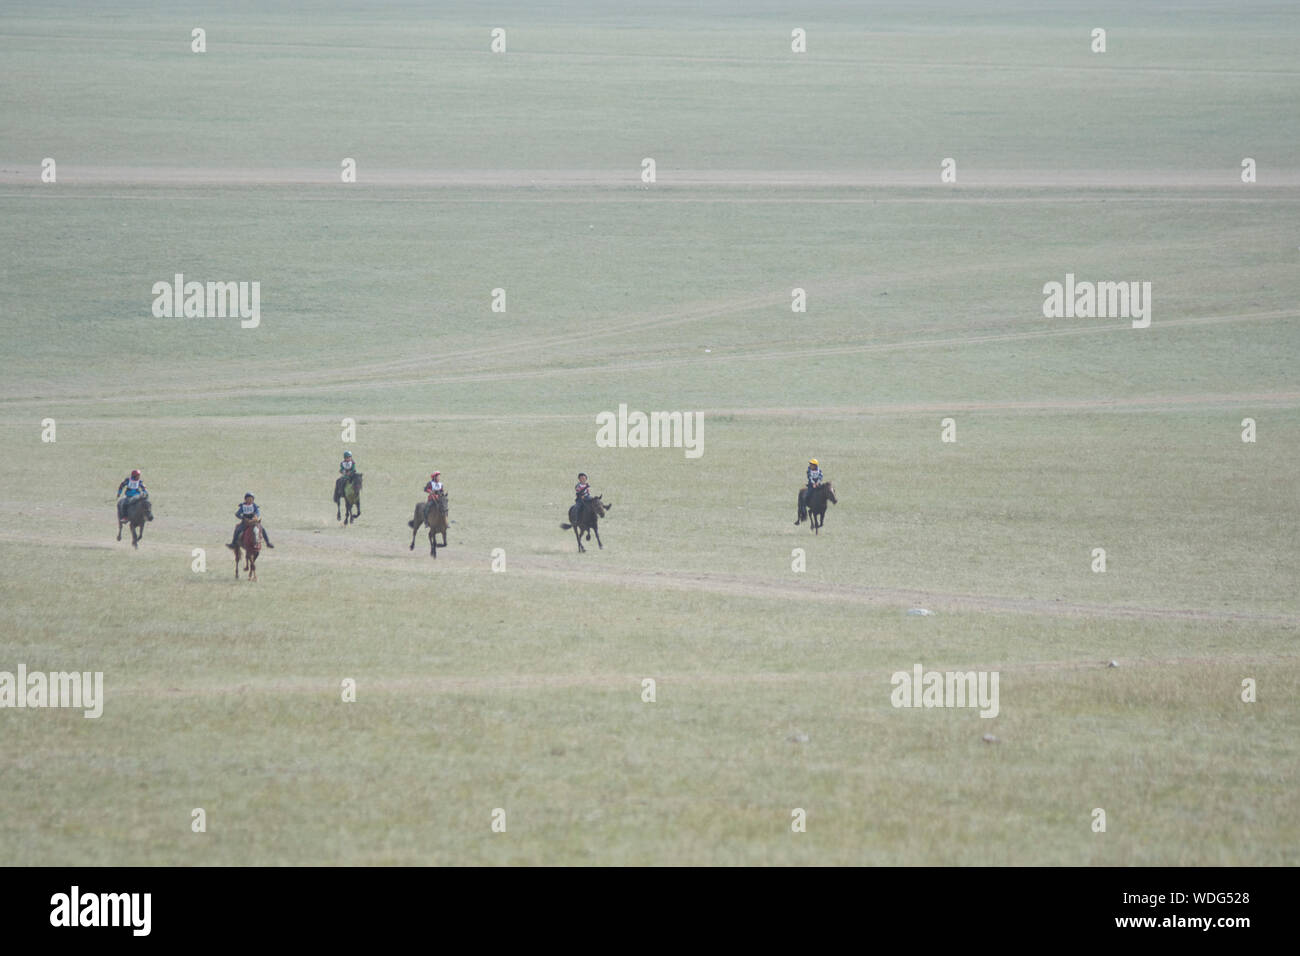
x,y
581,492
433,488
134,487
248,511
814,478
347,470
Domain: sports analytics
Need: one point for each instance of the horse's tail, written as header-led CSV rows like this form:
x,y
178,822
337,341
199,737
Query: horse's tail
x,y
565,527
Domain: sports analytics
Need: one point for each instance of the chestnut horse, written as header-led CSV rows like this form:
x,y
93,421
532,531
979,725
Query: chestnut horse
x,y
250,540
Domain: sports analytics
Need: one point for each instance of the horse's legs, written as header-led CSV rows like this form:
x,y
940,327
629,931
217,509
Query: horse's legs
x,y
596,528
433,541
577,533
119,531
236,562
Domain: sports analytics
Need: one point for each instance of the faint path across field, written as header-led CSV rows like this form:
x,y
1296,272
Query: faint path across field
x,y
352,552
881,410
72,174
622,366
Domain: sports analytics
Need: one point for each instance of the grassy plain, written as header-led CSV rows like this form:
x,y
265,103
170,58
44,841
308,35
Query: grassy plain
x,y
522,690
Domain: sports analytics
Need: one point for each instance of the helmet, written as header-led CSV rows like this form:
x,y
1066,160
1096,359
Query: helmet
x,y
435,474
582,474
347,454
248,494
812,461
135,473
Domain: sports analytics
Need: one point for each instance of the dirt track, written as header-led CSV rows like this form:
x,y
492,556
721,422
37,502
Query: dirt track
x,y
333,550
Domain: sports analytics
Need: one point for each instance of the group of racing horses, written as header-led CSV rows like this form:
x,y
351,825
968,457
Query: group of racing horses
x,y
584,518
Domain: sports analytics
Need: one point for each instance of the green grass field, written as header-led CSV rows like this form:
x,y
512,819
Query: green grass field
x,y
522,689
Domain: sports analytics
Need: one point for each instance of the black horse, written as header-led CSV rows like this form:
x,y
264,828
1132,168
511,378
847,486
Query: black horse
x,y
584,517
812,504
138,511
347,490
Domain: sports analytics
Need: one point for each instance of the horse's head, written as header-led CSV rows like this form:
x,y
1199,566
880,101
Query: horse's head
x,y
830,492
600,507
148,509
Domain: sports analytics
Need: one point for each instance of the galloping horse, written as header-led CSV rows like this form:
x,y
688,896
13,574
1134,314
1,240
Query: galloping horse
x,y
812,504
250,540
585,517
138,511
347,489
432,514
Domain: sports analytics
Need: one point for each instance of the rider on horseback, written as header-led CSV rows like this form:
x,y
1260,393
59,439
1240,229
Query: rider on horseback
x,y
248,511
433,488
134,487
581,491
814,479
347,471
815,476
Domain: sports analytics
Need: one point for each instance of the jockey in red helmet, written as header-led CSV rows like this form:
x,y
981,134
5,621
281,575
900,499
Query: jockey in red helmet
x,y
134,487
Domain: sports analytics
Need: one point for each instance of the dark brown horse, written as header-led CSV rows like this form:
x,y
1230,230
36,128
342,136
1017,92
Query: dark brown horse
x,y
250,540
812,504
347,490
585,517
138,511
431,514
